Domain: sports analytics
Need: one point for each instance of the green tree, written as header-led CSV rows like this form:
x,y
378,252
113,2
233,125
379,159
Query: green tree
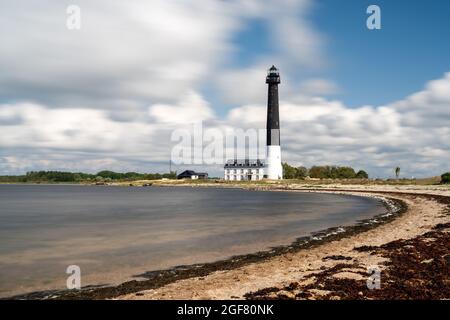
x,y
288,171
320,172
347,173
397,172
445,178
332,172
301,172
110,174
49,176
171,175
362,175
344,173
60,176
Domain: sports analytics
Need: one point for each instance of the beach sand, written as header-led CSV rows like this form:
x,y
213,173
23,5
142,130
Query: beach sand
x,y
336,270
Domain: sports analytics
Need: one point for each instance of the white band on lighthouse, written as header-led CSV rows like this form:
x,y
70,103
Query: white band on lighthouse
x,y
274,168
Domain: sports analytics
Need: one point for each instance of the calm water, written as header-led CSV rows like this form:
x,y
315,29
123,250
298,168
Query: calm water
x,y
114,233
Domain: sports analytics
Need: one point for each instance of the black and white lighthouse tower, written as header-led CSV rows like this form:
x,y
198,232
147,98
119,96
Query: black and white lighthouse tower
x,y
255,169
274,169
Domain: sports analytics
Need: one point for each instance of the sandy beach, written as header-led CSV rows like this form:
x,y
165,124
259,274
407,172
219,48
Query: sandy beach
x,y
338,269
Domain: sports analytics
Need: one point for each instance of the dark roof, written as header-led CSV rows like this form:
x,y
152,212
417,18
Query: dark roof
x,y
188,173
244,163
272,68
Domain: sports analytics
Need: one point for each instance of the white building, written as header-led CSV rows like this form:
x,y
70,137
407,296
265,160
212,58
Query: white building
x,y
244,170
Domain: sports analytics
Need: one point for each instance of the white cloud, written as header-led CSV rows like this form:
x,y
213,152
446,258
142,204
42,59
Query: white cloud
x,y
318,87
298,43
191,108
243,86
67,129
427,108
148,50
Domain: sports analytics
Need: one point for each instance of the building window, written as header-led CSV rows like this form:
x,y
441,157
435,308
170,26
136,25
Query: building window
x,y
234,171
257,171
257,177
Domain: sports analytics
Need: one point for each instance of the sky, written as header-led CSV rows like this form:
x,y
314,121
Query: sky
x,y
109,95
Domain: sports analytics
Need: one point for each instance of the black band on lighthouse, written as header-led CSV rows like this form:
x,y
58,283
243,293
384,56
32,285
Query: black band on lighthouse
x,y
273,118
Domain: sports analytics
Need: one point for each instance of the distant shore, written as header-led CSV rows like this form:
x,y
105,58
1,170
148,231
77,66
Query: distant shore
x,y
307,182
301,269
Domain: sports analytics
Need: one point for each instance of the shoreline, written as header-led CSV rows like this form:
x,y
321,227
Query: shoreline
x,y
159,278
306,273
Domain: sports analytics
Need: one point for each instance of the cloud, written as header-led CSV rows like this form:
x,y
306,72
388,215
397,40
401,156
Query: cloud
x,y
318,87
243,85
416,108
150,51
291,32
67,129
191,108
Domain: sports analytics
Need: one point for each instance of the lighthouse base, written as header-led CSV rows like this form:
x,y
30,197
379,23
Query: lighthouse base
x,y
274,169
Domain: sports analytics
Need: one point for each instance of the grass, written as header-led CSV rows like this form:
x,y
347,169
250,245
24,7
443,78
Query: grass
x,y
306,183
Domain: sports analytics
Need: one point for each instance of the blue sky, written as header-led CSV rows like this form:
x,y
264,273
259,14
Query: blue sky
x,y
370,67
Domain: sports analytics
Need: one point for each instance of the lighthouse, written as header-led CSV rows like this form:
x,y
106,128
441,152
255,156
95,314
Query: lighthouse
x,y
256,169
274,169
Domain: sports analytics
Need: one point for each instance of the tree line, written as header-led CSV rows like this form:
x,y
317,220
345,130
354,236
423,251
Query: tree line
x,y
323,172
445,178
289,172
61,176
